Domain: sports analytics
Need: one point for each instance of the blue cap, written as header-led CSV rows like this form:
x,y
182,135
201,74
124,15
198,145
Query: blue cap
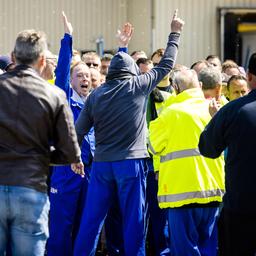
x,y
5,62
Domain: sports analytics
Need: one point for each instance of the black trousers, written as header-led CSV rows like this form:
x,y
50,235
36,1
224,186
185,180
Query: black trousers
x,y
237,234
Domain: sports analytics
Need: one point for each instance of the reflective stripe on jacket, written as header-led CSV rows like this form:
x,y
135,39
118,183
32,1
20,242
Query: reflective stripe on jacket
x,y
185,176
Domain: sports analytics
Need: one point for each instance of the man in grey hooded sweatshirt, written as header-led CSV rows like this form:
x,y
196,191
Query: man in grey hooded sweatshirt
x,y
117,110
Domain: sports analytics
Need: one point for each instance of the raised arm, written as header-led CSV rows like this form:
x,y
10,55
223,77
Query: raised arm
x,y
176,23
124,36
149,80
62,71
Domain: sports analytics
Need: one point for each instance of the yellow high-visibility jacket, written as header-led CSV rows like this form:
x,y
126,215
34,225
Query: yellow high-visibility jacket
x,y
52,81
160,106
185,176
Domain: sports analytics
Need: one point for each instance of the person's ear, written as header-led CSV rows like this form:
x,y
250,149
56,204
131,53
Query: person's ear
x,y
71,77
218,87
13,57
40,64
218,91
228,94
42,61
249,76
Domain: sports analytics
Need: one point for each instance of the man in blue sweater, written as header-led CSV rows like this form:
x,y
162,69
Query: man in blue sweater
x,y
68,190
117,112
233,127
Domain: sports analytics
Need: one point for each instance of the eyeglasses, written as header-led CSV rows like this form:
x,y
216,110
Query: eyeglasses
x,y
89,64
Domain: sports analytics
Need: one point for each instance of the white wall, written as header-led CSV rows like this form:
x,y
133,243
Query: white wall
x,y
90,19
94,18
139,14
200,36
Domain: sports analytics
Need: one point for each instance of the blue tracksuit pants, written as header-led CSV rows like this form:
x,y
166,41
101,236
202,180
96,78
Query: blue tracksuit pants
x,y
67,198
114,230
127,180
193,231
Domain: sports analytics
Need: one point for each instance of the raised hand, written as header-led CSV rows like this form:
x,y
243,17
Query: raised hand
x,y
177,23
124,36
214,107
68,29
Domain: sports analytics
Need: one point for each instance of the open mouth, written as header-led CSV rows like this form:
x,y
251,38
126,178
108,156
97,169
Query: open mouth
x,y
84,86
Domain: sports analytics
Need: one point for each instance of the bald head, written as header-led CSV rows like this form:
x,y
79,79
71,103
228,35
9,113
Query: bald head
x,y
95,78
92,60
185,79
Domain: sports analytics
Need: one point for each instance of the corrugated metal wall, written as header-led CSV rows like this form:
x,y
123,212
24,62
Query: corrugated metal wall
x,y
94,18
90,19
139,14
200,36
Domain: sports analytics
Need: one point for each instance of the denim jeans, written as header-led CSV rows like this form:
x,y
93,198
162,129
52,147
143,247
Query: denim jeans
x,y
23,220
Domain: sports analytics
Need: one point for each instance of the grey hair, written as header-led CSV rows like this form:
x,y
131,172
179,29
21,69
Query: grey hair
x,y
185,79
29,46
210,78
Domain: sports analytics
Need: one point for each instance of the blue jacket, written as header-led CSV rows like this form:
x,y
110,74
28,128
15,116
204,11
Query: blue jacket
x,y
234,127
62,80
117,109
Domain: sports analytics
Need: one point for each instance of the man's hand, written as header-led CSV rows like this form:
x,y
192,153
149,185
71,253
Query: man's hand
x,y
78,168
214,107
177,23
68,29
124,36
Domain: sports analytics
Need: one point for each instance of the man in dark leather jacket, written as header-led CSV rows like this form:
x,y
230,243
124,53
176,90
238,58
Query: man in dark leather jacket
x,y
36,129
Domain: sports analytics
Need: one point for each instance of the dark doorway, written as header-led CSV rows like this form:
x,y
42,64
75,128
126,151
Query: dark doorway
x,y
237,34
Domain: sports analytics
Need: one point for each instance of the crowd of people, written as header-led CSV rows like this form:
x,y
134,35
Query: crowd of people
x,y
125,154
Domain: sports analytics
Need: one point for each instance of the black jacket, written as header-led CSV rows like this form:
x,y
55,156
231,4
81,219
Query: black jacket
x,y
234,128
34,115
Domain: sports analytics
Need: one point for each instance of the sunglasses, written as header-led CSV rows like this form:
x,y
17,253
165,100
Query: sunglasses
x,y
89,64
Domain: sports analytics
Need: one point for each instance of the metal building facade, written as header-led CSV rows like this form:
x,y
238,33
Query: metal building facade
x,y
92,19
200,36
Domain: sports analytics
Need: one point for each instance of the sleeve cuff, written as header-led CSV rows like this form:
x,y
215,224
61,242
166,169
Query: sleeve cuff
x,y
123,49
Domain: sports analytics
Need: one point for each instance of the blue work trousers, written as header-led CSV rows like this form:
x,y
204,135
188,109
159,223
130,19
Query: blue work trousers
x,y
156,220
23,221
67,199
127,180
114,230
193,231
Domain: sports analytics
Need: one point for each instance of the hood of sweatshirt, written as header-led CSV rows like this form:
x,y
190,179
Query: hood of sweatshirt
x,y
122,66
